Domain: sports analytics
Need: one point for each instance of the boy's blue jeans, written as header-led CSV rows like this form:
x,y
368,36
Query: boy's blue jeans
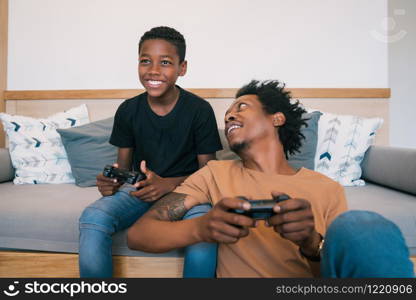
x,y
108,215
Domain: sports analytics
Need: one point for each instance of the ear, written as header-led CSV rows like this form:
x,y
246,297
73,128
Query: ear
x,y
183,66
279,119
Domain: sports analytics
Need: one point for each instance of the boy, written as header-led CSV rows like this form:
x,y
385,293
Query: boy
x,y
168,133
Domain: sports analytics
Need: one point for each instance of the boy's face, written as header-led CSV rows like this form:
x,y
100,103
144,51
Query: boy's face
x,y
159,67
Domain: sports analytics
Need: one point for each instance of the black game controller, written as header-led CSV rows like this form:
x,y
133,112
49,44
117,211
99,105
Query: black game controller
x,y
260,209
123,176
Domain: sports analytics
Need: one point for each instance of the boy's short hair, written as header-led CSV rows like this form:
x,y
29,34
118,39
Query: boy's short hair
x,y
275,99
168,34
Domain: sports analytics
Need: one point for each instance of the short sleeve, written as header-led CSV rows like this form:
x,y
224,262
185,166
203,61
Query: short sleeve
x,y
122,135
207,139
197,185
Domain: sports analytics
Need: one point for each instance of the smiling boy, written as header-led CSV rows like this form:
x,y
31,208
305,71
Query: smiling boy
x,y
168,133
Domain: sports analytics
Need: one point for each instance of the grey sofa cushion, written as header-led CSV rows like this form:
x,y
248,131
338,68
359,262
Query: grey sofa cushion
x,y
6,167
88,150
304,158
44,217
391,166
396,206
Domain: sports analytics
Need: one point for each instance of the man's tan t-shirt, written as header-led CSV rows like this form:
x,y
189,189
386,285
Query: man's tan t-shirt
x,y
263,253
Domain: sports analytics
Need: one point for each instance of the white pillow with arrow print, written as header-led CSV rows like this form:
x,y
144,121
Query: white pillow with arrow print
x,y
36,148
342,143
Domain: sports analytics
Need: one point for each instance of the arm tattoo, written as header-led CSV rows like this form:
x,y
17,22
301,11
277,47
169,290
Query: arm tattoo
x,y
170,207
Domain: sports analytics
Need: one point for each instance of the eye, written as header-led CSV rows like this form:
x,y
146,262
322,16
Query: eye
x,y
166,62
144,61
242,106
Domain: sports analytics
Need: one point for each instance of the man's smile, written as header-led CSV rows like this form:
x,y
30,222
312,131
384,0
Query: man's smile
x,y
233,127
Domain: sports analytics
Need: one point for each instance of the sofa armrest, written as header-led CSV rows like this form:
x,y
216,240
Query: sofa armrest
x,y
391,166
6,167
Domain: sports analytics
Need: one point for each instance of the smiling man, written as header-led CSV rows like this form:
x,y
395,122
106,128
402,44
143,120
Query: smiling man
x,y
263,127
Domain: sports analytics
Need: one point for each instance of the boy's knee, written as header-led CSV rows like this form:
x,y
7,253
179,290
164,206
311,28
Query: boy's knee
x,y
95,218
197,211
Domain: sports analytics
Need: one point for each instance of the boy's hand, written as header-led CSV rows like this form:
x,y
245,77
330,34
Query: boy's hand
x,y
107,186
294,221
153,187
220,225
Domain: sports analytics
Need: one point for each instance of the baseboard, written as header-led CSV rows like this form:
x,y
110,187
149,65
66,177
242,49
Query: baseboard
x,y
17,264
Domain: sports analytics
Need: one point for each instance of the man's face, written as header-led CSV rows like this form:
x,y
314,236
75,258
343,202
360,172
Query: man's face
x,y
159,67
246,122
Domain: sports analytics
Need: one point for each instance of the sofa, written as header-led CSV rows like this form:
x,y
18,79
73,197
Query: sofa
x,y
43,218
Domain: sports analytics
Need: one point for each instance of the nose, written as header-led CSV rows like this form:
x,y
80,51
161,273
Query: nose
x,y
154,69
229,117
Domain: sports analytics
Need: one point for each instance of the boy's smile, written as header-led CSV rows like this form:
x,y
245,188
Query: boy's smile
x,y
159,68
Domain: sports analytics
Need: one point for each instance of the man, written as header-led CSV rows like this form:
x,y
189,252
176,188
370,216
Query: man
x,y
263,126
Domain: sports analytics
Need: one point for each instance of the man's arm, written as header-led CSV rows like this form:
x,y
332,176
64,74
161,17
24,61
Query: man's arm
x,y
162,229
294,221
156,230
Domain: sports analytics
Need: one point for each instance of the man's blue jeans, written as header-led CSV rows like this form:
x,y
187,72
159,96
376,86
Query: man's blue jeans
x,y
111,214
360,244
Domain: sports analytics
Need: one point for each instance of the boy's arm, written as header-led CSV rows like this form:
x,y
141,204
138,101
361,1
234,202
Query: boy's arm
x,y
155,187
108,186
125,158
203,159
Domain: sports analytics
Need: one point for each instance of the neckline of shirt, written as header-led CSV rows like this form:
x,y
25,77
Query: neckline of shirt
x,y
297,174
169,114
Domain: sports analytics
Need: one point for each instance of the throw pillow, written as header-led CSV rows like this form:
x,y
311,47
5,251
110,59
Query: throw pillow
x,y
304,158
342,143
88,150
35,146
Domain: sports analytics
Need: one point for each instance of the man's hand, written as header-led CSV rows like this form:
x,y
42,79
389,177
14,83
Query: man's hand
x,y
153,187
107,186
220,225
294,221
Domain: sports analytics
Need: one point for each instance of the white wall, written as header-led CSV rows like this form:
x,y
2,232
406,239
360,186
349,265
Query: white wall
x,y
92,44
402,72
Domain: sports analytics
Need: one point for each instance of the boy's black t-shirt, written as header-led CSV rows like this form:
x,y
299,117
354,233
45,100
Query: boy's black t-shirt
x,y
169,144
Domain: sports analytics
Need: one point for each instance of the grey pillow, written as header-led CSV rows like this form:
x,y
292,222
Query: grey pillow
x,y
6,170
88,150
304,158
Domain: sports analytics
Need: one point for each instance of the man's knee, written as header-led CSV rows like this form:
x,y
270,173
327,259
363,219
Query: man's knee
x,y
355,223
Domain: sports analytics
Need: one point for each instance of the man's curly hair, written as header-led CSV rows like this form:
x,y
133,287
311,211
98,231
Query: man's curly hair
x,y
168,34
275,99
